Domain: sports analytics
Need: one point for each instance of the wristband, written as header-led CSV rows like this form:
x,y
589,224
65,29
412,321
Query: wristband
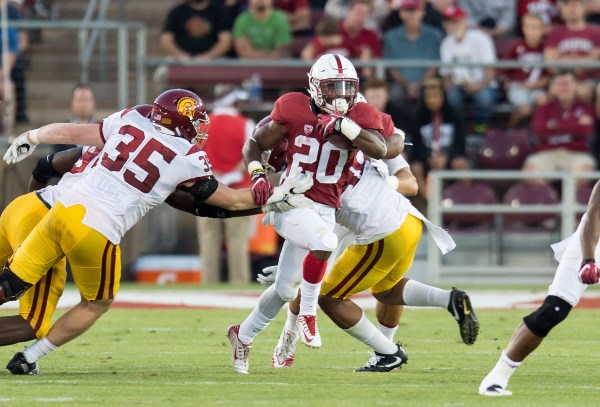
x,y
32,137
588,261
349,128
393,182
254,165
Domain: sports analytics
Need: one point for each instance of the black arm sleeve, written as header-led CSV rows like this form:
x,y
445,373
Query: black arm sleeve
x,y
203,189
209,211
44,171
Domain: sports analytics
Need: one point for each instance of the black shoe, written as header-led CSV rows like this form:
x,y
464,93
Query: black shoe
x,y
461,310
18,365
380,362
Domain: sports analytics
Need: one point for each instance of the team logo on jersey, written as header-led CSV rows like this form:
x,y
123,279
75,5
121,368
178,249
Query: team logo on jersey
x,y
308,129
186,106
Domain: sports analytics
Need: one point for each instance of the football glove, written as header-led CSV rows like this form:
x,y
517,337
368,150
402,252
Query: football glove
x,y
328,123
289,202
589,273
260,187
296,182
21,148
268,275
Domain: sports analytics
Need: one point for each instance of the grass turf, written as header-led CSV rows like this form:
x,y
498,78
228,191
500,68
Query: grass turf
x,y
182,358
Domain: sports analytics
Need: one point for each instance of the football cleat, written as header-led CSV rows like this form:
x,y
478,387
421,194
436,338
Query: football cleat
x,y
495,390
309,330
18,365
283,356
380,362
241,351
462,311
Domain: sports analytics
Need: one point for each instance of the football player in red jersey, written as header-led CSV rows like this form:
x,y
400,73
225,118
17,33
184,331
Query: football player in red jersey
x,y
323,132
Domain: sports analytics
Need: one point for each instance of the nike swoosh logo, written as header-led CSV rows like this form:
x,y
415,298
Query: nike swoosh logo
x,y
466,309
398,361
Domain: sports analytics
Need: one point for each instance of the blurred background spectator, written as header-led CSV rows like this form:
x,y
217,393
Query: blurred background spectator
x,y
433,10
575,41
328,39
354,27
563,129
495,17
592,9
546,9
17,74
339,10
464,83
438,134
229,130
261,32
298,14
376,92
83,109
13,51
525,85
411,41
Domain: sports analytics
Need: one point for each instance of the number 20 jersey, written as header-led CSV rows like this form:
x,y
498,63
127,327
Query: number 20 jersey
x,y
139,167
313,153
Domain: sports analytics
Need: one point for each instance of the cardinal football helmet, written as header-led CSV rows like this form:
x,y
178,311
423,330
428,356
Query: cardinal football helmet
x,y
333,83
183,113
144,109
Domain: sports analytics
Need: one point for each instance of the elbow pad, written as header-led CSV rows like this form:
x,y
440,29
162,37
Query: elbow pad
x,y
205,210
203,189
44,171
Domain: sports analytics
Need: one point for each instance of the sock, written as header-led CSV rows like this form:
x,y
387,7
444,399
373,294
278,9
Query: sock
x,y
269,305
501,372
313,271
368,334
423,295
290,321
38,349
388,331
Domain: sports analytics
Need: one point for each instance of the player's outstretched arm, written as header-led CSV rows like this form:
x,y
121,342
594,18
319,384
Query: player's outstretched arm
x,y
590,232
53,166
407,183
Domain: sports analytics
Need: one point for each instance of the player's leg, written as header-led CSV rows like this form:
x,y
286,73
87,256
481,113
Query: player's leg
x,y
564,293
388,317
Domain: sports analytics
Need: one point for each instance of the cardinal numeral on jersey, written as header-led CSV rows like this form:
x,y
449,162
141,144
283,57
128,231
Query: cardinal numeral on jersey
x,y
141,157
329,170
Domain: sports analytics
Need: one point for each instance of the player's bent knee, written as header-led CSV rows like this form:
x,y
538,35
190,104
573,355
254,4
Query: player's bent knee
x,y
99,306
552,312
286,293
327,242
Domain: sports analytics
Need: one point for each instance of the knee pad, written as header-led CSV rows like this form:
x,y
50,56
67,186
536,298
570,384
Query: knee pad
x,y
551,313
326,242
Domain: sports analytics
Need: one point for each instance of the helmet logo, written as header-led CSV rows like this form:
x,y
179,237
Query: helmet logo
x,y
186,106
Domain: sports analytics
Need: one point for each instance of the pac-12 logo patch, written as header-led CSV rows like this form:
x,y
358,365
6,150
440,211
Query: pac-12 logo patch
x,y
308,129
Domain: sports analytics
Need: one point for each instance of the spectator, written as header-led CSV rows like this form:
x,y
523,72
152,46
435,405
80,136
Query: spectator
x,y
261,32
564,128
329,40
195,30
592,9
354,27
17,73
13,50
546,9
575,41
83,109
298,15
495,17
438,134
227,128
433,14
376,92
412,40
464,83
379,9
525,85
317,4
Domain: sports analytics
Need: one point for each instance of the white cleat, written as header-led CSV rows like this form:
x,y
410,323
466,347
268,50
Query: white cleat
x,y
494,390
241,351
309,330
283,356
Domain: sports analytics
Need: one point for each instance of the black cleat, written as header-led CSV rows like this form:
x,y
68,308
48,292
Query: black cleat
x,y
18,365
380,362
461,309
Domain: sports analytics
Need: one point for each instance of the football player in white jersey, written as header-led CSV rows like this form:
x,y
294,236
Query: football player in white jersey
x,y
577,270
142,162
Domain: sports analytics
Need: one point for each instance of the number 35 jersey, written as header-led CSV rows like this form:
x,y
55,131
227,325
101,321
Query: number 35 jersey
x,y
313,153
139,167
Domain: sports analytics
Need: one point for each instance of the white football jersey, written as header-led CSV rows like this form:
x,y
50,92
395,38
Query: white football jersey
x,y
89,157
138,168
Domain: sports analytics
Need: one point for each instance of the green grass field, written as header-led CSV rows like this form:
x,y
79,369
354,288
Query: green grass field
x,y
182,358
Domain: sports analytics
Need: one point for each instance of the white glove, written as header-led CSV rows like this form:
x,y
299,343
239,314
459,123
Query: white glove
x,y
381,168
296,182
289,202
22,147
267,278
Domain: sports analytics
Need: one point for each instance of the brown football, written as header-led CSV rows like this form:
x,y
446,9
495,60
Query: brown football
x,y
340,141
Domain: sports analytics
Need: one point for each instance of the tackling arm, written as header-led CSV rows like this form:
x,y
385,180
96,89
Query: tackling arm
x,y
53,166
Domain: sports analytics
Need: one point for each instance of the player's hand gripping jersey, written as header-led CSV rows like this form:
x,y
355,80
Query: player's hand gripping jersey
x,y
312,152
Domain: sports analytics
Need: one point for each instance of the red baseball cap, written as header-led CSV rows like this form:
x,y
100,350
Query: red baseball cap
x,y
411,4
454,13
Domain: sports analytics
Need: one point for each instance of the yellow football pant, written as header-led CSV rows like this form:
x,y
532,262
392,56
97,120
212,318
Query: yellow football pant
x,y
378,266
95,262
38,303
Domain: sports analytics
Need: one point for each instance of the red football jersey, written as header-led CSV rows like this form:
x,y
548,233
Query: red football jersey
x,y
311,152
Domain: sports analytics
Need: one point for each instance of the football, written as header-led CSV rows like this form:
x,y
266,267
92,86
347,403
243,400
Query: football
x,y
340,141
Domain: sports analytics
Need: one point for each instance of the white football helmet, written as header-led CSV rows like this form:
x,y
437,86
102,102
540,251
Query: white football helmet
x,y
333,83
